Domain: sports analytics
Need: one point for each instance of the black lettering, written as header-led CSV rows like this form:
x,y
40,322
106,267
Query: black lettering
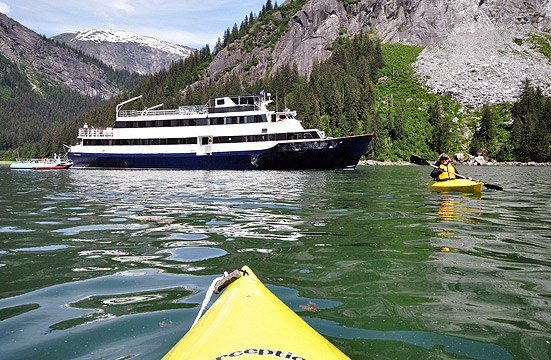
x,y
261,352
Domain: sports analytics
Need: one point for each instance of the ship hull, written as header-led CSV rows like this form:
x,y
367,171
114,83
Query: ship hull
x,y
336,153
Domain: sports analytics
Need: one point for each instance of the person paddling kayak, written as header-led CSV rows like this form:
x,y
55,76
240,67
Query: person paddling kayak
x,y
445,170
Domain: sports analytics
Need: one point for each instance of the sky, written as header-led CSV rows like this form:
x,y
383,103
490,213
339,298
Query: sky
x,y
193,23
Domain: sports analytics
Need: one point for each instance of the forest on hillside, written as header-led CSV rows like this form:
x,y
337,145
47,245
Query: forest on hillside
x,y
31,111
27,113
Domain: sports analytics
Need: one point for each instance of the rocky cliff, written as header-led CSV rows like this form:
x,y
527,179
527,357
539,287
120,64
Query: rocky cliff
x,y
123,50
465,25
41,58
424,22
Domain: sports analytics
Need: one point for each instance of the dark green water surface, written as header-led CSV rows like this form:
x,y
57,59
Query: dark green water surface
x,y
102,264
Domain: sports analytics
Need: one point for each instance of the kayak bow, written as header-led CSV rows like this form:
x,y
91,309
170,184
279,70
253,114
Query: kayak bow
x,y
249,322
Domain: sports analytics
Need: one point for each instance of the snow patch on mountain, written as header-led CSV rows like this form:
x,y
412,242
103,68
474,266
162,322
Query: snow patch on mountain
x,y
121,36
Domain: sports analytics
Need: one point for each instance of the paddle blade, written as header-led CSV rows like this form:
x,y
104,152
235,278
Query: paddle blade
x,y
414,159
492,187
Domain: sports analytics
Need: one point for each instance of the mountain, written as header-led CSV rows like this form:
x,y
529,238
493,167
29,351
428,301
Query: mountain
x,y
303,32
43,61
124,50
44,85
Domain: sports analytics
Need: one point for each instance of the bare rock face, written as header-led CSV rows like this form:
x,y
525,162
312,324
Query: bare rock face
x,y
311,31
315,27
424,22
39,56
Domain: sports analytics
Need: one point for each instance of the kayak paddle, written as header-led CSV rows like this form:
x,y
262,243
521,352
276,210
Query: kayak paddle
x,y
420,161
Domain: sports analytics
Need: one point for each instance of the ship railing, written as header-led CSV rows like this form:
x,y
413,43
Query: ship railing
x,y
96,132
182,110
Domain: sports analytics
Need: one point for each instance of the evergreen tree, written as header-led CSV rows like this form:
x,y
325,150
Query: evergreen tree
x,y
441,128
485,134
529,136
377,145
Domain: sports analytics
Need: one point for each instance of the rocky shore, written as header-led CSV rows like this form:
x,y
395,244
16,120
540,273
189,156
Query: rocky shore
x,y
466,163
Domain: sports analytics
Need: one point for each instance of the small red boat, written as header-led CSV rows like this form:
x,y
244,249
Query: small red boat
x,y
41,164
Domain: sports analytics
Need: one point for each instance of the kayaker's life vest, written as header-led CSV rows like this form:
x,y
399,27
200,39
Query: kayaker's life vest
x,y
446,175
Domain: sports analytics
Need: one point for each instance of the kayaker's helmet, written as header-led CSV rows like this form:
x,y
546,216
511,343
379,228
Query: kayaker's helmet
x,y
443,157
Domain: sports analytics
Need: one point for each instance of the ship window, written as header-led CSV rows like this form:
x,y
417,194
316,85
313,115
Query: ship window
x,y
141,124
220,102
202,121
219,121
166,123
250,119
192,122
232,120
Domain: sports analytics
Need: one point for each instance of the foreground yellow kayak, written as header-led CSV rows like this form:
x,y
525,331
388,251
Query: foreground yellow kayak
x,y
249,322
463,185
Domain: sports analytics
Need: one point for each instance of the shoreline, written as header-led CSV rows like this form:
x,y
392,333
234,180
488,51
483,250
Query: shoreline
x,y
489,163
405,163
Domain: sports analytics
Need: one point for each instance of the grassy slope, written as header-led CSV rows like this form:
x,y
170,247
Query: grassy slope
x,y
404,89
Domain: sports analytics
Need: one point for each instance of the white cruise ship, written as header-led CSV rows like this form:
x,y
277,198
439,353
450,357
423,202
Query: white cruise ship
x,y
229,133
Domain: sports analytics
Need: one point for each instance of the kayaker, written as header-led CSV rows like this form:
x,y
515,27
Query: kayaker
x,y
445,171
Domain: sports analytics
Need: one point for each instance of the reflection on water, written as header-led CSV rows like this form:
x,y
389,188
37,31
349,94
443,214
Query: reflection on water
x,y
459,207
113,264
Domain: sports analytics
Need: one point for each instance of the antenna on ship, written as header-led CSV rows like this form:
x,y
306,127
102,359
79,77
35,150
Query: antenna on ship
x,y
151,108
119,106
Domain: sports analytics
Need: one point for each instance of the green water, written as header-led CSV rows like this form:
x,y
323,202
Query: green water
x,y
100,264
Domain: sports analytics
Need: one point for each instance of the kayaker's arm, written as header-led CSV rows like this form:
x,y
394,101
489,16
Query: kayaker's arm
x,y
435,173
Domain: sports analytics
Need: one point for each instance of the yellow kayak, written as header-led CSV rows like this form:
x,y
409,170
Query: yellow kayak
x,y
463,185
249,322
